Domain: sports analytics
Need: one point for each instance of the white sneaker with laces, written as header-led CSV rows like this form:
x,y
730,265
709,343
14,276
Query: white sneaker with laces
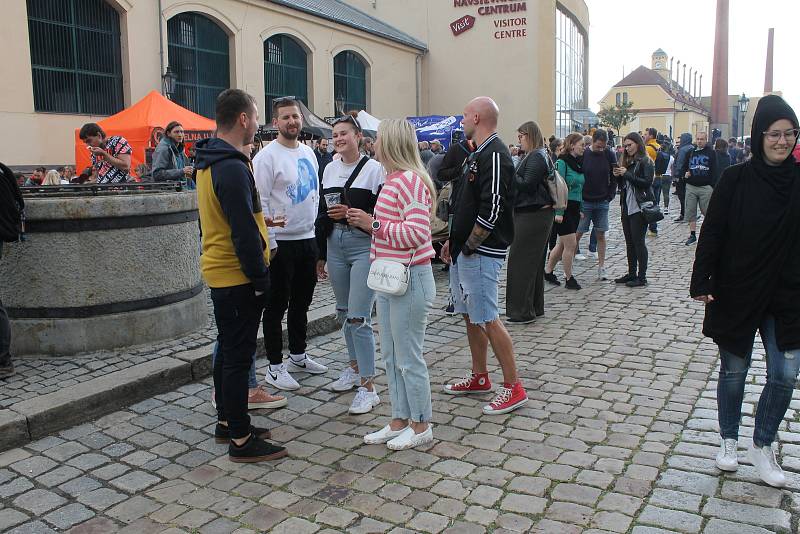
x,y
302,363
580,257
279,377
364,401
602,274
593,255
409,439
726,457
382,436
347,380
763,458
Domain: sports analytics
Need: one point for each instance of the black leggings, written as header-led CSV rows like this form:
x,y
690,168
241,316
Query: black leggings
x,y
635,227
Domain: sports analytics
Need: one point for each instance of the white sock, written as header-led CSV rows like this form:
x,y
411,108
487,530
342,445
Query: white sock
x,y
274,368
297,358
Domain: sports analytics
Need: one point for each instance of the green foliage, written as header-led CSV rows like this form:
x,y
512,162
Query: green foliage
x,y
617,116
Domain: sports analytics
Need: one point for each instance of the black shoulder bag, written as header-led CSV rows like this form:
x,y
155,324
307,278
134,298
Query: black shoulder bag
x,y
326,222
650,209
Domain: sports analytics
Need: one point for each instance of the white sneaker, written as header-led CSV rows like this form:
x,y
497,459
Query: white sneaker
x,y
408,439
763,458
666,211
347,380
580,257
382,436
302,363
602,274
364,401
726,457
279,377
593,255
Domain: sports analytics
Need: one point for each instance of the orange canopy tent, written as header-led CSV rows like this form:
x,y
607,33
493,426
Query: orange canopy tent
x,y
142,125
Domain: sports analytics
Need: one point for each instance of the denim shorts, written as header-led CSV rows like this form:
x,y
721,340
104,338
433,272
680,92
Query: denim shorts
x,y
595,213
473,285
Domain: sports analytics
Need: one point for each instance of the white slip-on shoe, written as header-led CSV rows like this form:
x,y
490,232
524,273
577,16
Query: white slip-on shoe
x,y
364,401
302,363
726,457
602,274
382,436
277,376
409,439
346,381
763,458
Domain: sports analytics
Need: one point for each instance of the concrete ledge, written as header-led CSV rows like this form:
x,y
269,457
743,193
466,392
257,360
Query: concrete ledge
x,y
91,399
13,430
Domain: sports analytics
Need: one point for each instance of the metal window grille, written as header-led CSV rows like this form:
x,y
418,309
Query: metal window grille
x,y
75,56
285,69
198,52
349,82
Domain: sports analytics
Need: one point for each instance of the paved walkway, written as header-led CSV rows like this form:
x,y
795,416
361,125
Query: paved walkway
x,y
619,436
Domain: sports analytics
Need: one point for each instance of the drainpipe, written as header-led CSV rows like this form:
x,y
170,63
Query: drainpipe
x,y
418,69
161,43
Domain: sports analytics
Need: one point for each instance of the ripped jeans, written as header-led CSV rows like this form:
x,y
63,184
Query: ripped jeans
x,y
782,368
348,267
403,320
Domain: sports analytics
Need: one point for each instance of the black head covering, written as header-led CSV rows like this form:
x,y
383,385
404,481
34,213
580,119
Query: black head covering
x,y
772,108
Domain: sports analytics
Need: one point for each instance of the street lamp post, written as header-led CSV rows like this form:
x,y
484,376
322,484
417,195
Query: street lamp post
x,y
743,102
169,80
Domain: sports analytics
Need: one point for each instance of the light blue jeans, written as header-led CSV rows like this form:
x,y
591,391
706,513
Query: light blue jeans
x,y
403,320
252,382
348,267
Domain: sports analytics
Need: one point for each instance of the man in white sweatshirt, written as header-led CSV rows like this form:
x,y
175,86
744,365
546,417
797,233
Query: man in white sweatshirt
x,y
286,178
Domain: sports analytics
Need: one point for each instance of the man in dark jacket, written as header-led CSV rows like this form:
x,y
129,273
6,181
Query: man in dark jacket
x,y
323,156
481,231
679,168
701,176
234,265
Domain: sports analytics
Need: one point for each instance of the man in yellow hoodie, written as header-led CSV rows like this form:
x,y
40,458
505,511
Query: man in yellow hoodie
x,y
235,266
652,147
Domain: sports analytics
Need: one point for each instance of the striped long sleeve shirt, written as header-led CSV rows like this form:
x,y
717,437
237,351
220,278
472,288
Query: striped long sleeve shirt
x,y
403,209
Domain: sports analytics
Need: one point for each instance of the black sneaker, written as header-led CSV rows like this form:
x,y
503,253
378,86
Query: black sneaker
x,y
692,240
678,219
515,320
637,282
222,434
552,278
7,369
255,450
450,309
572,283
624,279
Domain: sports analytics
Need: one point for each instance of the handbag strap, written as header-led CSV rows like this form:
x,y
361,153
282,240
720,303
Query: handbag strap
x,y
410,261
352,178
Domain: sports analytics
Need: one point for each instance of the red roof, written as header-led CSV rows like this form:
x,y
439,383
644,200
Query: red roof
x,y
641,75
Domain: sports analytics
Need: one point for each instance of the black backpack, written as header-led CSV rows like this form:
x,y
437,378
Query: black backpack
x,y
662,162
12,207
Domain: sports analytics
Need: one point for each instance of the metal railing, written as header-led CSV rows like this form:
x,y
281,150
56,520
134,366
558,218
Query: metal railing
x,y
72,190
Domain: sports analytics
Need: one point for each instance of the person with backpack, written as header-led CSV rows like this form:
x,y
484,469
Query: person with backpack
x,y
654,151
12,207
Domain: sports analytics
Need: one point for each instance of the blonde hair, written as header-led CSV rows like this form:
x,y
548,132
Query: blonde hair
x,y
52,178
399,152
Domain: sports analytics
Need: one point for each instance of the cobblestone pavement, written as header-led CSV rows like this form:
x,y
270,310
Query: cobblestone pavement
x,y
39,376
618,437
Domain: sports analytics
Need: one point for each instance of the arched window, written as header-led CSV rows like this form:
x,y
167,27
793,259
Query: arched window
x,y
75,56
198,53
285,70
349,82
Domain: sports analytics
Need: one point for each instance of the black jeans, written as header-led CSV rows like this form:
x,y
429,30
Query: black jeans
x,y
635,227
5,331
237,311
680,188
293,277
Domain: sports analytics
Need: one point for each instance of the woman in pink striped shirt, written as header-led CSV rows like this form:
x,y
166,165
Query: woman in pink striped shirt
x,y
401,230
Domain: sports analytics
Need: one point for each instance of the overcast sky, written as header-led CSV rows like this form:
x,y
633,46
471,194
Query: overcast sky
x,y
625,33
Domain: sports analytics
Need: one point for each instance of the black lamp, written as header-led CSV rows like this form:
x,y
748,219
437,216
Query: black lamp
x,y
743,103
169,81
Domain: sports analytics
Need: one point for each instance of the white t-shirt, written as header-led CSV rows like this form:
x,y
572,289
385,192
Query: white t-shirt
x,y
370,178
287,178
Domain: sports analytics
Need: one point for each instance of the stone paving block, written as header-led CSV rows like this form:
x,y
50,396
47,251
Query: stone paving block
x,y
748,493
13,430
194,519
263,518
672,519
611,521
720,526
96,525
748,513
68,516
10,517
678,500
14,487
569,513
514,522
132,509
34,527
101,498
33,466
39,501
135,481
428,522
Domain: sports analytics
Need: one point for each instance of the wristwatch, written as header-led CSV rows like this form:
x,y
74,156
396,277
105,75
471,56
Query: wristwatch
x,y
376,225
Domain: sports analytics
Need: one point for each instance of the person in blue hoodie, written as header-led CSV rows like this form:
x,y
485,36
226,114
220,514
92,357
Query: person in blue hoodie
x,y
680,166
701,176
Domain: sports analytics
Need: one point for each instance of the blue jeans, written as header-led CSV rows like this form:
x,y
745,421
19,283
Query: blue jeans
x,y
473,283
403,320
251,379
592,242
348,266
782,368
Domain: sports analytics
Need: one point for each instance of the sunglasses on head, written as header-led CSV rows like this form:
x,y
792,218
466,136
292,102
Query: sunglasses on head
x,y
283,99
348,119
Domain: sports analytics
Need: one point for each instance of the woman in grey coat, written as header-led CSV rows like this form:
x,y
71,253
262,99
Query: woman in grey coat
x,y
169,160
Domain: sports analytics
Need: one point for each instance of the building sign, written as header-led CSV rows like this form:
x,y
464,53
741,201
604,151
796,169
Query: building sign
x,y
503,27
463,24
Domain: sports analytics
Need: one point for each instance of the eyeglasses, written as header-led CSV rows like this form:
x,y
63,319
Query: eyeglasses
x,y
775,135
521,134
628,145
348,118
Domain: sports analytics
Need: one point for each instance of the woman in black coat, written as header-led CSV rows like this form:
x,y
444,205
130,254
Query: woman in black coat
x,y
635,176
747,273
533,219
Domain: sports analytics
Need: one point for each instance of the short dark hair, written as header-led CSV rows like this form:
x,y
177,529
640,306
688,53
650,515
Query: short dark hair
x,y
600,135
284,102
731,140
652,132
60,170
91,129
171,126
40,169
230,104
721,145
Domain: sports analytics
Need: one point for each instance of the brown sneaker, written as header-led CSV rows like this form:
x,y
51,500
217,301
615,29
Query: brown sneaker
x,y
258,398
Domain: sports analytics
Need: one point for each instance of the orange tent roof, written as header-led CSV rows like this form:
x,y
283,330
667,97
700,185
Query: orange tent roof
x,y
137,123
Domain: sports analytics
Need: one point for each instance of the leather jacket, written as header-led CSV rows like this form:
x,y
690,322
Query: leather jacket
x,y
640,177
530,187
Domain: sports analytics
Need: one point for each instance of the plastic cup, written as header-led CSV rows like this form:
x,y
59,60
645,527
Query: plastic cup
x,y
332,199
